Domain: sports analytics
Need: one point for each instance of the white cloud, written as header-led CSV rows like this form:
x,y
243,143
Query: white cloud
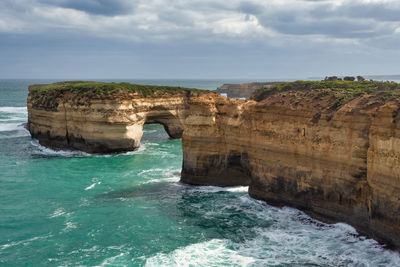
x,y
271,21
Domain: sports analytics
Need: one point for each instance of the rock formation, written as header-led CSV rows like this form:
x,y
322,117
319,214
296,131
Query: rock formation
x,y
334,153
104,121
242,90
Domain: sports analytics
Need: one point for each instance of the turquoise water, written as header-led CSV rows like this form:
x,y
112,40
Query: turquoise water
x,y
60,208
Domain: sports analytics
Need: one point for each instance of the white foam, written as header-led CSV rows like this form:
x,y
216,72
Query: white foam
x,y
117,260
150,170
161,175
12,125
14,119
69,226
151,144
139,150
19,134
12,130
58,212
303,244
215,252
287,236
20,110
238,189
164,180
92,186
149,131
22,242
41,150
214,189
8,127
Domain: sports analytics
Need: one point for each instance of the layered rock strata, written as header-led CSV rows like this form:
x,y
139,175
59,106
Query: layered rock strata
x,y
300,149
102,123
338,161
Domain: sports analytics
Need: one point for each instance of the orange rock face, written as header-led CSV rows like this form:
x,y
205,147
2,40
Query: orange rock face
x,y
338,163
103,124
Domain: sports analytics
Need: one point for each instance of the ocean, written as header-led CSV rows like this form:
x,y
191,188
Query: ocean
x,y
63,208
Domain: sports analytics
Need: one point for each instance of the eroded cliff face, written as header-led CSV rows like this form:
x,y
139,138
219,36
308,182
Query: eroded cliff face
x,y
337,162
102,123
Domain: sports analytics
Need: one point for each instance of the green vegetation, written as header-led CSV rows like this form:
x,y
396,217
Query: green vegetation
x,y
102,88
343,90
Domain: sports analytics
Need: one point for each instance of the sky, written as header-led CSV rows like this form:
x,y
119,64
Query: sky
x,y
198,39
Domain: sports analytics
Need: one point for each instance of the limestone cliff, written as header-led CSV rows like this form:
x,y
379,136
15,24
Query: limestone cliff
x,y
242,90
331,155
98,117
333,152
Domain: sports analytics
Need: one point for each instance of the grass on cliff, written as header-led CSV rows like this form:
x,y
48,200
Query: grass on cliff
x,y
103,88
343,90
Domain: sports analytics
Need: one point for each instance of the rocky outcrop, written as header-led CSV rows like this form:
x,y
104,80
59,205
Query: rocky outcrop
x,y
102,123
301,149
331,155
242,90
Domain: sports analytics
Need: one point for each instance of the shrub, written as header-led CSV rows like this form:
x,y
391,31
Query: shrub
x,y
346,89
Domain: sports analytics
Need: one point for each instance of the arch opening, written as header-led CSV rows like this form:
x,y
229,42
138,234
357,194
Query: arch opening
x,y
173,124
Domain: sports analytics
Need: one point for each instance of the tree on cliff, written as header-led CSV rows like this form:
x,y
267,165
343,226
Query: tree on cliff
x,y
349,78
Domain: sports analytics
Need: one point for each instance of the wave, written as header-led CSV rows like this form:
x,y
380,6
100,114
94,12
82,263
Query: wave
x,y
57,213
150,171
13,130
276,237
139,150
214,189
17,110
287,236
150,131
23,242
69,226
41,150
92,186
158,175
12,121
9,127
215,252
117,260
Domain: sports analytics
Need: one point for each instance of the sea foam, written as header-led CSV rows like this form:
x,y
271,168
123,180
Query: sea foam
x,y
211,253
41,150
12,121
20,110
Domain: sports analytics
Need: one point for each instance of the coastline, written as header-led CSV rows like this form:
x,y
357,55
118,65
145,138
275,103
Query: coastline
x,y
309,151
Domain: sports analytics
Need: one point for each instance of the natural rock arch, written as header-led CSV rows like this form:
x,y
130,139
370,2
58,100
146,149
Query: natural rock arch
x,y
171,122
343,166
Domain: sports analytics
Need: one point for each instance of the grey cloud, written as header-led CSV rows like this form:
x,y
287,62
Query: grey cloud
x,y
335,27
380,12
208,21
98,7
354,20
251,8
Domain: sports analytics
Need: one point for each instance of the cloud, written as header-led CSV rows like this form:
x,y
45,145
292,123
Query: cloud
x,y
97,7
289,32
205,20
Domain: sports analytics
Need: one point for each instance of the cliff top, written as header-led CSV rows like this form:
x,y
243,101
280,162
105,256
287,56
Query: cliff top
x,y
242,89
342,90
108,88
